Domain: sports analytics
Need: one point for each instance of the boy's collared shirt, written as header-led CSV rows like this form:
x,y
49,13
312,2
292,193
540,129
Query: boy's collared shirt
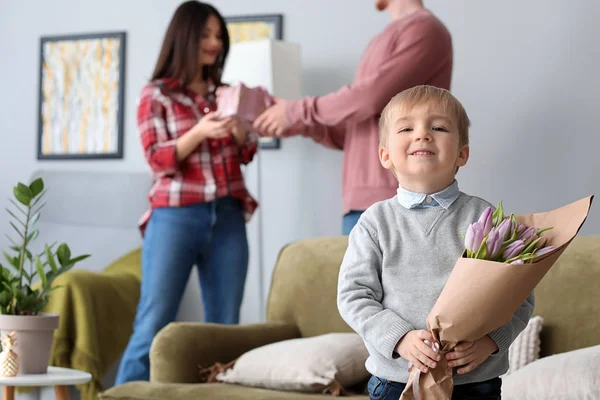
x,y
444,198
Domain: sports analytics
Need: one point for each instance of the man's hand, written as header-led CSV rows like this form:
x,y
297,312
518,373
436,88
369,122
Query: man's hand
x,y
412,348
469,355
273,121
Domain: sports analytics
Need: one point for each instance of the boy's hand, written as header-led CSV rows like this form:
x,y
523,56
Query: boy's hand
x,y
470,354
412,348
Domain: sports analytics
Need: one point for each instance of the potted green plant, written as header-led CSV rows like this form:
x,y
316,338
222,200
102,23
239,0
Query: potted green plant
x,y
26,283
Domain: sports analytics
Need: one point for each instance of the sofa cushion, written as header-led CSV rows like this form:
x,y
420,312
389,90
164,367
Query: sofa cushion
x,y
321,363
303,287
526,347
571,375
204,391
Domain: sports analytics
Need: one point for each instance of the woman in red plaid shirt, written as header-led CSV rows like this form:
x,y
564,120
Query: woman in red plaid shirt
x,y
199,202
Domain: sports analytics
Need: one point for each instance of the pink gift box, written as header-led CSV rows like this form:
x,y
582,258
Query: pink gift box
x,y
243,102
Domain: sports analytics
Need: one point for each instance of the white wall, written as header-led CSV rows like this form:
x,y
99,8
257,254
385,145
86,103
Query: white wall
x,y
525,71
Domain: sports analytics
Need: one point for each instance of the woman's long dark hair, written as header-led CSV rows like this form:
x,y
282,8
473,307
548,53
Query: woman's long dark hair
x,y
178,57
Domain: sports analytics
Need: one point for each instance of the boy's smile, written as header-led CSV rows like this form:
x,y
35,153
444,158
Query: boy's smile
x,y
423,148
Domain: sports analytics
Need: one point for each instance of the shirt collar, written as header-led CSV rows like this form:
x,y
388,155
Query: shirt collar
x,y
175,90
443,198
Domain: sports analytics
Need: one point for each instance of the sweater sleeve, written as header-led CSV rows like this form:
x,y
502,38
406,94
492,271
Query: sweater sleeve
x,y
333,137
419,50
506,334
360,293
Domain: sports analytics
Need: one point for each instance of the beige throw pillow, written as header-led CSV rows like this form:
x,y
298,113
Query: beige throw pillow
x,y
565,376
306,364
526,347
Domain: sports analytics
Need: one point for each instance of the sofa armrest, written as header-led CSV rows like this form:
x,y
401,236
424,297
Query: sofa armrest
x,y
181,348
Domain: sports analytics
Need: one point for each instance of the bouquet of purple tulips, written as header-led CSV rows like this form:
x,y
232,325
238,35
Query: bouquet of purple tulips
x,y
498,238
504,260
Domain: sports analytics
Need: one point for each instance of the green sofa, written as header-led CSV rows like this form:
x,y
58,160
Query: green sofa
x,y
302,303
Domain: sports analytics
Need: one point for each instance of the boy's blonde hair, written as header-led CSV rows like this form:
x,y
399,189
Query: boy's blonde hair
x,y
425,94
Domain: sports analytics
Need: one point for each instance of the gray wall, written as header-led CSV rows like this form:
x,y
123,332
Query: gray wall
x,y
525,71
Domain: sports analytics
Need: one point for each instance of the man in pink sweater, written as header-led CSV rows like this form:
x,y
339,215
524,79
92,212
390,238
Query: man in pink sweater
x,y
414,49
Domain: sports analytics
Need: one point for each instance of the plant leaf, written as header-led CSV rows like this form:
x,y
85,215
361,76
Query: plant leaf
x,y
36,187
40,305
542,230
37,210
34,218
40,271
75,260
7,275
51,260
24,189
15,217
14,261
498,215
7,286
22,194
5,298
18,207
482,252
18,231
44,251
32,236
38,199
64,254
11,240
531,246
26,275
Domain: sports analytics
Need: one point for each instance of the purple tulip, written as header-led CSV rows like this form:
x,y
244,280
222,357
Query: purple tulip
x,y
518,262
528,235
513,249
474,237
505,229
486,220
494,243
544,250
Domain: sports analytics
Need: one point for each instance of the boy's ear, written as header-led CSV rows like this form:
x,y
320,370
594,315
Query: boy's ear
x,y
463,156
384,158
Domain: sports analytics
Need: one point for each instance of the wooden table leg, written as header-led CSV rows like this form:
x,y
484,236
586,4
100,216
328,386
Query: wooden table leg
x,y
8,393
61,392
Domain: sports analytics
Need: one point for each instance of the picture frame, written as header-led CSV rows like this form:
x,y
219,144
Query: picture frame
x,y
81,96
243,28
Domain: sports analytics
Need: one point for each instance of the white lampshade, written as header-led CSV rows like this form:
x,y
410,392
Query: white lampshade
x,y
272,64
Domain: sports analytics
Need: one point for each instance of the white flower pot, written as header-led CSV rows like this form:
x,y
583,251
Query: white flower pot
x,y
34,334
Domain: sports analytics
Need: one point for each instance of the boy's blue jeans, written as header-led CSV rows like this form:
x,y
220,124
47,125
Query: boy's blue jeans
x,y
210,235
381,389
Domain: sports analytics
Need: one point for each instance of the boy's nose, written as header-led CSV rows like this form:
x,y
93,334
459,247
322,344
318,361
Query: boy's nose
x,y
422,136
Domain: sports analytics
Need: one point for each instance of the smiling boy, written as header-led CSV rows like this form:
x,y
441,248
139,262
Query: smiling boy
x,y
402,251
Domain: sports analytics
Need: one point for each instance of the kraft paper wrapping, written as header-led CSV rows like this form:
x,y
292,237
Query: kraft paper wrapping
x,y
481,296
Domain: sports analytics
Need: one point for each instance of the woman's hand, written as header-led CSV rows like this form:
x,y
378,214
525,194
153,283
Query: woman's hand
x,y
210,127
239,131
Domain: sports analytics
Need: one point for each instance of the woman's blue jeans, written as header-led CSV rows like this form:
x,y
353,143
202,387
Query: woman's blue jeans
x,y
211,236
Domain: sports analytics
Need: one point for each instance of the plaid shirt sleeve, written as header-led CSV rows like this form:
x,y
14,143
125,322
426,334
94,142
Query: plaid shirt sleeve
x,y
248,150
159,146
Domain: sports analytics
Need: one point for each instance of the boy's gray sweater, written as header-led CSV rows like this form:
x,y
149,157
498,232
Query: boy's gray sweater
x,y
396,265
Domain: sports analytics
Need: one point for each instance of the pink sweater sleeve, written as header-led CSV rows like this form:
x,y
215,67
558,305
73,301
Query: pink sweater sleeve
x,y
328,136
421,47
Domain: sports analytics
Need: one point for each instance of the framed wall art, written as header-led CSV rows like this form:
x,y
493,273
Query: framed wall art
x,y
81,96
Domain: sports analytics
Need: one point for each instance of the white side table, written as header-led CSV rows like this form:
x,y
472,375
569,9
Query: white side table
x,y
58,377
